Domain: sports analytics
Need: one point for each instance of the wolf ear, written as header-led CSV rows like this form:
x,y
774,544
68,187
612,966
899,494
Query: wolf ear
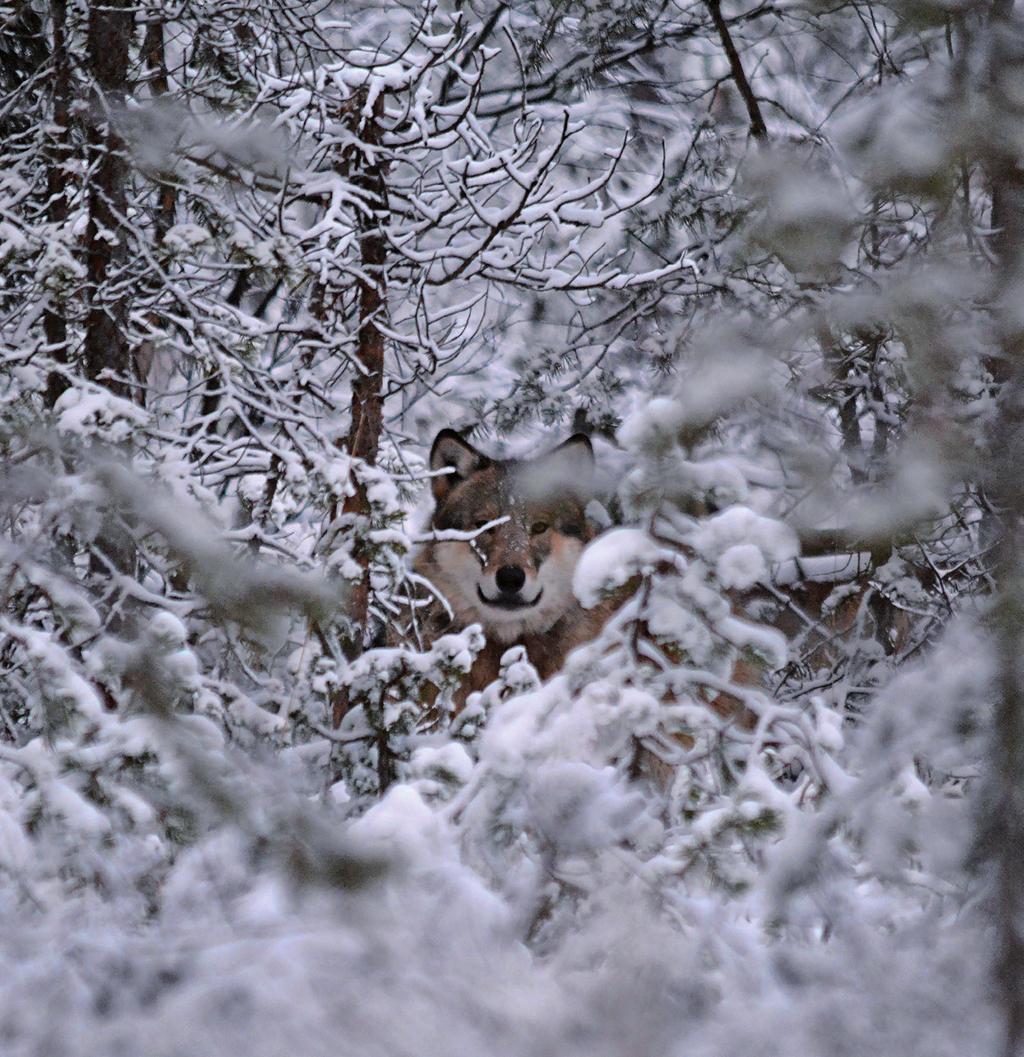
x,y
575,458
449,449
567,468
578,448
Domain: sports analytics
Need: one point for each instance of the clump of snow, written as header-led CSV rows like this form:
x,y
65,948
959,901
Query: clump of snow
x,y
660,418
743,532
185,237
672,620
895,139
764,640
741,567
97,413
447,763
576,807
167,631
805,217
613,559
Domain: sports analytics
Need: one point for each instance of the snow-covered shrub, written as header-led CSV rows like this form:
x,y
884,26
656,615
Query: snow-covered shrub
x,y
254,256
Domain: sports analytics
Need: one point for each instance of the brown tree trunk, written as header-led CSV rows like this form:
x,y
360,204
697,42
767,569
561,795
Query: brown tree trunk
x,y
106,328
107,356
166,196
55,327
368,172
159,84
367,387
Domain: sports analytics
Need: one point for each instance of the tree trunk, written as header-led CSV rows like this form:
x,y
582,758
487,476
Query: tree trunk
x,y
368,172
159,84
55,328
106,329
166,203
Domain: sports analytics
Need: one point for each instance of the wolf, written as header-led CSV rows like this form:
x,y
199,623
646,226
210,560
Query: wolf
x,y
506,537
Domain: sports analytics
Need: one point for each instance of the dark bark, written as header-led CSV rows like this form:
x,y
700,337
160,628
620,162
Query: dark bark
x,y
107,356
368,172
758,129
55,326
106,352
367,388
165,206
159,84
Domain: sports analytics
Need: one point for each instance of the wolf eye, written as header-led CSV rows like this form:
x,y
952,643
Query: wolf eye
x,y
538,527
480,522
572,529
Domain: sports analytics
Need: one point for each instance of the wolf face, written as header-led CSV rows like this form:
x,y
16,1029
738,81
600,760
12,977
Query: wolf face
x,y
514,578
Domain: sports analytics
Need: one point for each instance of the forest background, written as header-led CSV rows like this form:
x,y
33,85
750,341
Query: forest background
x,y
769,256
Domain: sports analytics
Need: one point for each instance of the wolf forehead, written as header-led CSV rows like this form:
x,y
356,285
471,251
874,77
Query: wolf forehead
x,y
497,491
477,487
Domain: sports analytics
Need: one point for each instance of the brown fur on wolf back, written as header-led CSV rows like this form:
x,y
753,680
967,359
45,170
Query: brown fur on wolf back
x,y
810,615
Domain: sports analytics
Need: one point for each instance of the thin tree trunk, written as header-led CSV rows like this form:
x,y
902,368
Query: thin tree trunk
x,y
367,387
159,84
166,196
106,328
55,326
107,355
367,171
758,129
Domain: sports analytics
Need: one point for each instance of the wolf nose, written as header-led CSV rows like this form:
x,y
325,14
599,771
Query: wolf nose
x,y
509,578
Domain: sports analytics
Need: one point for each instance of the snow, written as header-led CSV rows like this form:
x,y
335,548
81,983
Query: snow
x,y
576,807
185,237
767,641
167,630
741,566
261,791
612,560
743,527
97,413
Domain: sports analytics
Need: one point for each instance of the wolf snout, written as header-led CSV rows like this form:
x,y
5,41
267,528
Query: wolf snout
x,y
508,589
510,579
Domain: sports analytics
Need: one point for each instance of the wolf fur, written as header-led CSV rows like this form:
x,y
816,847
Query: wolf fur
x,y
515,577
